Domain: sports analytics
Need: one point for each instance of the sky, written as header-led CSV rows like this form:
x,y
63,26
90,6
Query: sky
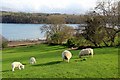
x,y
48,6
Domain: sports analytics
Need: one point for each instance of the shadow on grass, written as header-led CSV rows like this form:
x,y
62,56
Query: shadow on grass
x,y
5,71
49,63
83,58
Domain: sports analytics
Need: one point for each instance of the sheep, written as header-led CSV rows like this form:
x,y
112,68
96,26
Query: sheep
x,y
32,60
17,65
87,51
66,55
91,51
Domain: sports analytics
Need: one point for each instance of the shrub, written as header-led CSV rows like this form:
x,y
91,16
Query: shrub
x,y
71,42
3,42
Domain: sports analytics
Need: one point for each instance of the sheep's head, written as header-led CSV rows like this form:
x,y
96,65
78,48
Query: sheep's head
x,y
22,66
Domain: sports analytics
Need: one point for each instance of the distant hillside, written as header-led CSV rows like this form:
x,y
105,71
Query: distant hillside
x,y
38,18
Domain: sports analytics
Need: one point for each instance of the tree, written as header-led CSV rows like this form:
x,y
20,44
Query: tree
x,y
109,9
57,33
3,42
118,8
102,23
94,31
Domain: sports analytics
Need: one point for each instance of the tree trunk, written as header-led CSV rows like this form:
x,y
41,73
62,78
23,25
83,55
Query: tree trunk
x,y
95,44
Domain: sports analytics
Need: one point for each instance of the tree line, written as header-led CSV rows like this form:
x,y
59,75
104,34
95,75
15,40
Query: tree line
x,y
38,18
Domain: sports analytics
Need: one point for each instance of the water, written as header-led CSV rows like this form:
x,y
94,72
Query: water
x,y
24,31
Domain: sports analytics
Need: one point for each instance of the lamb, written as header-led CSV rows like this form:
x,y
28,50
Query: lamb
x,y
17,65
87,51
32,60
66,55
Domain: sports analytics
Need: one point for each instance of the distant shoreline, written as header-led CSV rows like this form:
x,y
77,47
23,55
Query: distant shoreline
x,y
24,43
21,23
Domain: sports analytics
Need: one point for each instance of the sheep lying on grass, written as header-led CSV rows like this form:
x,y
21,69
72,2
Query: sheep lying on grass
x,y
66,55
17,65
32,60
87,51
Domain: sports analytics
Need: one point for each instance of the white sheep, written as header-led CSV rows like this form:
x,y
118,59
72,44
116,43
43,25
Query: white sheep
x,y
66,55
87,51
32,60
17,65
90,51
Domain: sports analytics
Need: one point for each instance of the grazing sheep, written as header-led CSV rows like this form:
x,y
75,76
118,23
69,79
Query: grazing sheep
x,y
32,60
66,55
87,51
17,65
91,51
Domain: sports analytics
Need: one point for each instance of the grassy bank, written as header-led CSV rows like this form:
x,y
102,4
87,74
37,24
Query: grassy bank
x,y
49,64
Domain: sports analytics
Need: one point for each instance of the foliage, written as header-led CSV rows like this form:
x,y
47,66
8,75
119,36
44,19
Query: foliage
x,y
55,19
57,33
109,9
94,31
102,24
71,42
40,18
3,42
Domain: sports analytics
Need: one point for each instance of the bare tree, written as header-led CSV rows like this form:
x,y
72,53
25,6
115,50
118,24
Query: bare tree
x,y
109,10
94,31
57,32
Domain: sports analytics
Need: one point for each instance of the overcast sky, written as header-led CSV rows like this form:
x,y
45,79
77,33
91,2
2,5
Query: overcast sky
x,y
48,6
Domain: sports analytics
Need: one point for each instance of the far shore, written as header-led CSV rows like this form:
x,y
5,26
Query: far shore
x,y
24,43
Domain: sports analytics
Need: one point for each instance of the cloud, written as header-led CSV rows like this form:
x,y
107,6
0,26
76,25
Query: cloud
x,y
49,6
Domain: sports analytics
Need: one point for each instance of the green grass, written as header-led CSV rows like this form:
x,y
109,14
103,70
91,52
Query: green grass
x,y
49,64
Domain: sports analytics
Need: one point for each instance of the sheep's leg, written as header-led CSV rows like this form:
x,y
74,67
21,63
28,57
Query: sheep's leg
x,y
92,55
68,60
13,69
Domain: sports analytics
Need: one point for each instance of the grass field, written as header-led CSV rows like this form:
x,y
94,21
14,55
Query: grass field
x,y
49,64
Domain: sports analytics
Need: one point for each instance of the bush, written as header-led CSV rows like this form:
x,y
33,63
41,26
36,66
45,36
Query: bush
x,y
3,42
71,42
